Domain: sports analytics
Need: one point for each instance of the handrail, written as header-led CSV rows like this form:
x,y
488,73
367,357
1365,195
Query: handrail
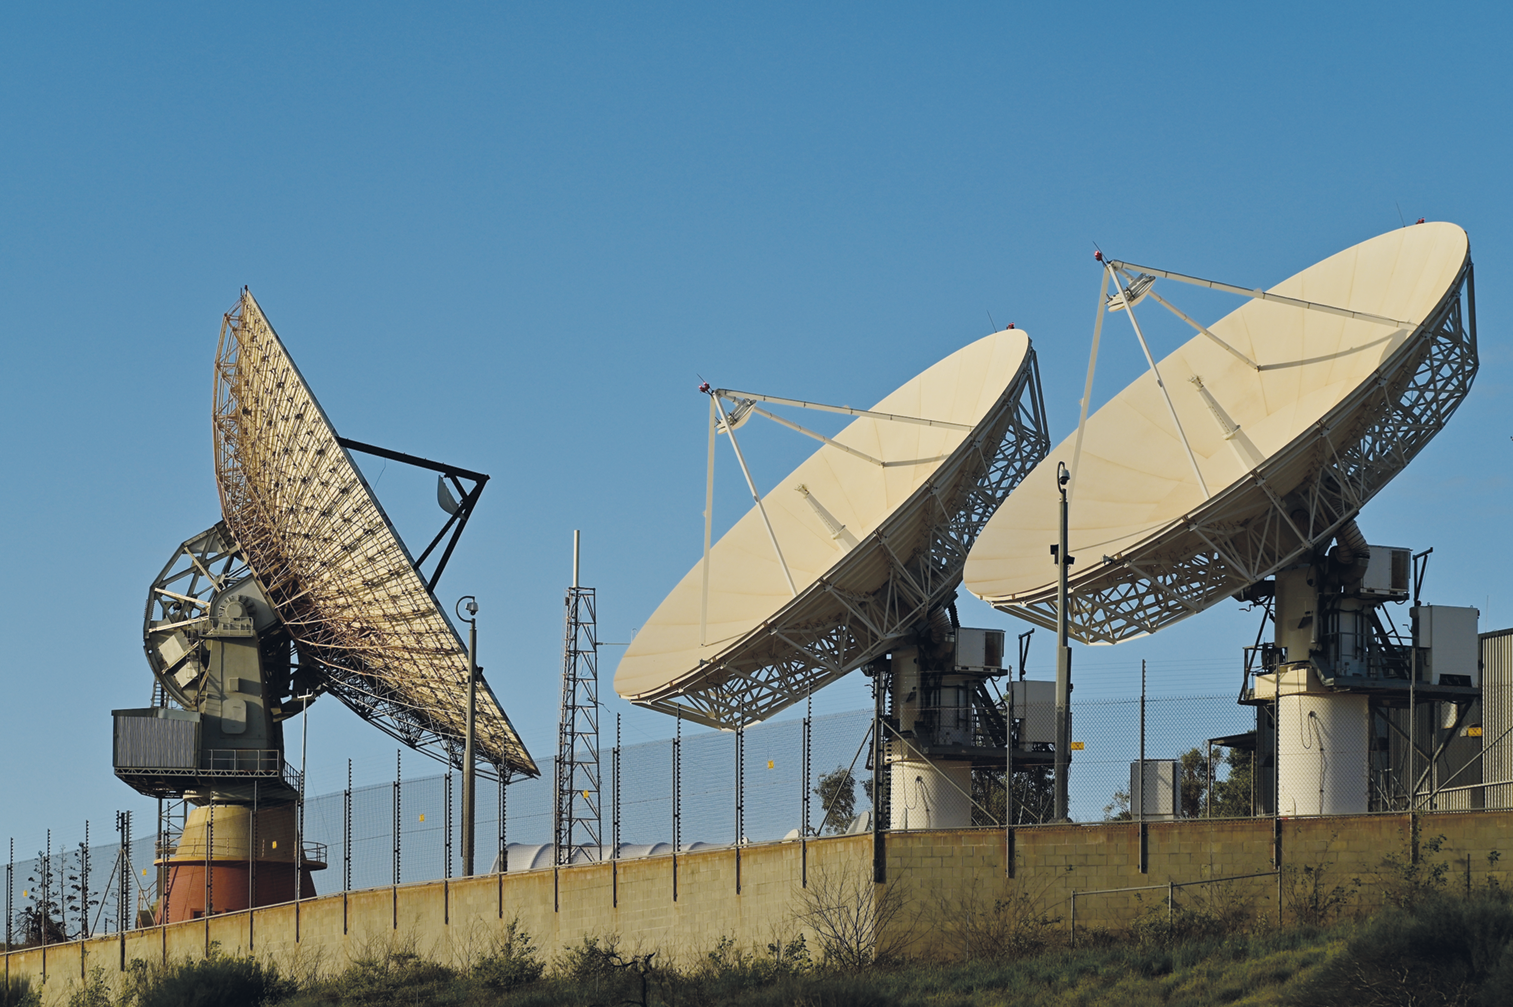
x,y
1171,890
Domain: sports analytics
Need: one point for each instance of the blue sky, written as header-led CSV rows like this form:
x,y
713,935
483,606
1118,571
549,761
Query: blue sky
x,y
511,236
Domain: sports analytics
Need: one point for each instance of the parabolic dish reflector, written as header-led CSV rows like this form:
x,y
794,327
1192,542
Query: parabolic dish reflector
x,y
327,558
1335,408
905,529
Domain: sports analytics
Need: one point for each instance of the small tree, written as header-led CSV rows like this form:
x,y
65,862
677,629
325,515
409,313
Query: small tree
x,y
76,894
1192,785
837,793
42,919
1233,794
855,921
1118,809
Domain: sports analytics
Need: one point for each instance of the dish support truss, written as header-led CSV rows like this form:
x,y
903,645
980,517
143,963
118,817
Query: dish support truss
x,y
886,586
1292,503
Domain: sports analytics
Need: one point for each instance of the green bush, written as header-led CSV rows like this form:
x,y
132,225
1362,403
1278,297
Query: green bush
x,y
513,963
395,977
1438,950
217,981
19,993
93,992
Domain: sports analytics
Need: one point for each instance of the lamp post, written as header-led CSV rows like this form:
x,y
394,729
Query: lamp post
x,y
469,790
1063,659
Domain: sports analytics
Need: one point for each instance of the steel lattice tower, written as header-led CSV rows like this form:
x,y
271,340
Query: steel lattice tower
x,y
577,818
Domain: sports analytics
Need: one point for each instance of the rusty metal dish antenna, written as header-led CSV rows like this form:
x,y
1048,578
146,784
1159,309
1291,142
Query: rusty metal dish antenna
x,y
324,554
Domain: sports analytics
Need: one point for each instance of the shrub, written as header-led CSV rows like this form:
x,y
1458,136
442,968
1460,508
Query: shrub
x,y
93,992
18,992
591,959
512,964
215,981
1440,950
395,976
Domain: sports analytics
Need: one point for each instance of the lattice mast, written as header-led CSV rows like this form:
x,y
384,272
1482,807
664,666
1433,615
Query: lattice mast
x,y
577,817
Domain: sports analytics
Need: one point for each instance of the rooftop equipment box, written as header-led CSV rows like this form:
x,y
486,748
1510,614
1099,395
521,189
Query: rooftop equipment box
x,y
1387,574
979,649
1035,708
1447,635
1157,797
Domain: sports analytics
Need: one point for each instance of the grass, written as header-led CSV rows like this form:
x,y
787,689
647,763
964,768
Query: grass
x,y
1239,969
1437,949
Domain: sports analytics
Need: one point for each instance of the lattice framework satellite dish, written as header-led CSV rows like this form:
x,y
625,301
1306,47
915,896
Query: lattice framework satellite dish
x,y
326,556
851,551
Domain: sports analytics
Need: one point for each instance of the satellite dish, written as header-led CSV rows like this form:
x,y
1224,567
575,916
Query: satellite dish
x,y
853,550
1275,425
327,559
444,496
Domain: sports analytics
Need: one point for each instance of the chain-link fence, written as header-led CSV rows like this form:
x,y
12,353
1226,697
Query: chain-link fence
x,y
782,779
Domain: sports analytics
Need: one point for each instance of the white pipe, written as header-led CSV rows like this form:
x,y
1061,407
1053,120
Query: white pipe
x,y
837,444
1262,295
1190,321
708,519
1087,389
1130,310
847,410
772,535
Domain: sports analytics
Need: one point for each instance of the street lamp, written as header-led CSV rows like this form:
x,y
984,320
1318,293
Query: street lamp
x,y
1063,659
469,790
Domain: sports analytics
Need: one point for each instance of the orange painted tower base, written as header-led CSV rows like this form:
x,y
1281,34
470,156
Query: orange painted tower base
x,y
228,873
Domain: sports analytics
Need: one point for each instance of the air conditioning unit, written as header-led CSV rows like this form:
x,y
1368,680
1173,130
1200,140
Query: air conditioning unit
x,y
979,649
1387,574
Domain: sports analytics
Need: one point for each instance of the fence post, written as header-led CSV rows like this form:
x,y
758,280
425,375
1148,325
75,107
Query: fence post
x,y
47,887
346,833
614,841
210,883
84,884
804,792
10,882
879,856
740,800
394,891
251,866
677,801
1073,928
504,848
446,825
10,908
124,921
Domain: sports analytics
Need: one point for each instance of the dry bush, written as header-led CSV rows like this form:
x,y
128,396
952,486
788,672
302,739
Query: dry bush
x,y
985,927
855,921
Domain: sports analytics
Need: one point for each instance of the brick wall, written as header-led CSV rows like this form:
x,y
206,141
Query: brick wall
x,y
935,878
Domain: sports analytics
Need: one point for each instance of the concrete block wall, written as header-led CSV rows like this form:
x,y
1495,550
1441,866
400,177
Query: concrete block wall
x,y
935,877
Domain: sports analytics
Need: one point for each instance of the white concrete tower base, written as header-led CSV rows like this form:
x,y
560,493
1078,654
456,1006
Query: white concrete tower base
x,y
925,795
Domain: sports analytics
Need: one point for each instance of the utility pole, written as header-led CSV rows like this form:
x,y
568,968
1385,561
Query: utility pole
x,y
1063,659
469,754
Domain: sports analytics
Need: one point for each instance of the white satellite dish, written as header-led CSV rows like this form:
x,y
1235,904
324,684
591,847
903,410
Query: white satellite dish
x,y
852,550
1274,426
